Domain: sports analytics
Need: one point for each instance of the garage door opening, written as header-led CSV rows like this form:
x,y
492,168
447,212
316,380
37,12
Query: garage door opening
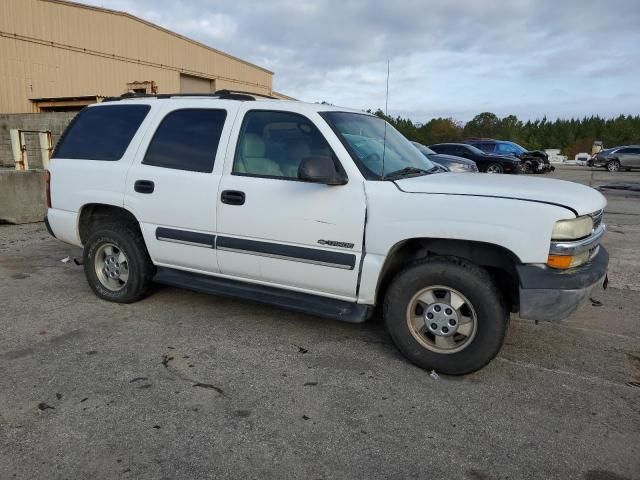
x,y
191,84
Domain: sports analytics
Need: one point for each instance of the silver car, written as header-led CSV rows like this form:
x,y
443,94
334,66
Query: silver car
x,y
618,158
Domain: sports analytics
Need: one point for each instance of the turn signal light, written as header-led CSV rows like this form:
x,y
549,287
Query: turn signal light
x,y
559,261
567,261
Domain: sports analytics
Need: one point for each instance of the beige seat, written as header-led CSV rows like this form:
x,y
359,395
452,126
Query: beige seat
x,y
252,160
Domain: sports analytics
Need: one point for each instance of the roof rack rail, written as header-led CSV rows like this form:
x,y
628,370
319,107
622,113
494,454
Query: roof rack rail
x,y
221,94
240,93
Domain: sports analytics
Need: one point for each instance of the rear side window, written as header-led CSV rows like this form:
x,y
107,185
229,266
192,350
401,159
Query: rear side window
x,y
101,133
485,147
187,140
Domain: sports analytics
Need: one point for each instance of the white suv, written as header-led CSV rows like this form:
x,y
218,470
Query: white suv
x,y
322,210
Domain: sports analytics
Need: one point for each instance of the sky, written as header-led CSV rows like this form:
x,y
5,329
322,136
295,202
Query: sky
x,y
448,58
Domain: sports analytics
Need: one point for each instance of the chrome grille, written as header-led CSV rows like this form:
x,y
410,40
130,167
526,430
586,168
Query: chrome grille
x,y
597,218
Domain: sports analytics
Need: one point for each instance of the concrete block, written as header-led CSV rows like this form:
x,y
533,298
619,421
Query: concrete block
x,y
22,196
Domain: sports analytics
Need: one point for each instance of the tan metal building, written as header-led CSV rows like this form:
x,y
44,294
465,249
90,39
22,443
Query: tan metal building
x,y
57,55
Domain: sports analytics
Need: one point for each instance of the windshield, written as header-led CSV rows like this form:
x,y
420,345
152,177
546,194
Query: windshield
x,y
376,153
423,149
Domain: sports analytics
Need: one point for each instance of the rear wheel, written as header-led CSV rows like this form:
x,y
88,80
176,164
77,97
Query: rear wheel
x,y
494,168
116,263
446,314
613,165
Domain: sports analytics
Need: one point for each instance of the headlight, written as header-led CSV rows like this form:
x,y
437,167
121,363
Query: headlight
x,y
572,229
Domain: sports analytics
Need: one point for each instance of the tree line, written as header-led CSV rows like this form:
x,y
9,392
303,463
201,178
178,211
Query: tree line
x,y
571,136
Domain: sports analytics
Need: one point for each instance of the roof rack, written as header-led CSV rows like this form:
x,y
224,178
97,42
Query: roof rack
x,y
221,94
232,94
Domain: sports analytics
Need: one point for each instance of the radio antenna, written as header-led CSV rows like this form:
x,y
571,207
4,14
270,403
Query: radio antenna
x,y
386,114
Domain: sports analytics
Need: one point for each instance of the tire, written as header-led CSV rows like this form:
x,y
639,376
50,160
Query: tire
x,y
123,248
494,167
466,282
525,167
613,165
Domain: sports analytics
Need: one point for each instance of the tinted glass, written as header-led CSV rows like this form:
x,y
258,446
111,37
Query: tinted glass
x,y
101,133
506,148
272,144
444,149
460,150
485,147
187,140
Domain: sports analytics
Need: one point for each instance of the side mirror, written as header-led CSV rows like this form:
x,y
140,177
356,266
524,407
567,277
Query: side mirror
x,y
319,169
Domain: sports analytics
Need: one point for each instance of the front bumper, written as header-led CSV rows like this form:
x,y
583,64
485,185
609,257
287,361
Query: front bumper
x,y
549,294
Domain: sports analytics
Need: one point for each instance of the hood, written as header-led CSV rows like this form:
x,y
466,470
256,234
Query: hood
x,y
574,196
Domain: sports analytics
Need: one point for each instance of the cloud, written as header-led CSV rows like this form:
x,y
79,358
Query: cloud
x,y
448,58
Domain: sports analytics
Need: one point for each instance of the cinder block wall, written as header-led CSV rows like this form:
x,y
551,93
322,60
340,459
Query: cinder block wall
x,y
55,122
22,196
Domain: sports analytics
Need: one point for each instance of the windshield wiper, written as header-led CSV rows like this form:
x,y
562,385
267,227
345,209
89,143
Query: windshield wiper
x,y
408,171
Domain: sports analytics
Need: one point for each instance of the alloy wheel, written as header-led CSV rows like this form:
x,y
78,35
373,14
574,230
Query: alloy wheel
x,y
111,266
442,319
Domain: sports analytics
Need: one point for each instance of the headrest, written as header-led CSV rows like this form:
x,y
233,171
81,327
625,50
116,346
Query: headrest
x,y
253,145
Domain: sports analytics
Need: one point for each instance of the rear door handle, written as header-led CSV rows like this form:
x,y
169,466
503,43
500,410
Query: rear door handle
x,y
232,197
144,186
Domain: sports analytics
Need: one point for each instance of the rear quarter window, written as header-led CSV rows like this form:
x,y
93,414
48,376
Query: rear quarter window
x,y
101,133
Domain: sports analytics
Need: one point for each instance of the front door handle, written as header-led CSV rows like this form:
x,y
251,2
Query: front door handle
x,y
232,197
144,186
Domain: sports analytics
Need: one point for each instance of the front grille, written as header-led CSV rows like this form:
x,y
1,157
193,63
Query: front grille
x,y
597,218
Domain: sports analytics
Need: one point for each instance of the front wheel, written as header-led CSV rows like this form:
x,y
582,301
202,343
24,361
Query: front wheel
x,y
446,314
494,168
117,264
525,167
613,165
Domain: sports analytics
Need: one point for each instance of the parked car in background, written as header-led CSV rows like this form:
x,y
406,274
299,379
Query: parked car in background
x,y
533,161
453,164
485,162
582,158
617,158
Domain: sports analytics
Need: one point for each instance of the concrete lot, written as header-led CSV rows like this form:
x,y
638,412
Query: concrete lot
x,y
184,385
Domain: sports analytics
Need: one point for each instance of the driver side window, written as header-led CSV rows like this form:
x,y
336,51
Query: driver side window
x,y
505,148
272,144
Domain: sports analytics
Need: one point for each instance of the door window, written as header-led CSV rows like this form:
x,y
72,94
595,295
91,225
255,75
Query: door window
x,y
272,144
506,148
485,147
460,151
187,139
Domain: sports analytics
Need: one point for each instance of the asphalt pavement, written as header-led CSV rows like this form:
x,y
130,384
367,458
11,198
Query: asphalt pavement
x,y
189,386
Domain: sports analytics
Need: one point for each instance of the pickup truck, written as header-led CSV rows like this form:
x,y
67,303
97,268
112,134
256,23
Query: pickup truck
x,y
323,210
